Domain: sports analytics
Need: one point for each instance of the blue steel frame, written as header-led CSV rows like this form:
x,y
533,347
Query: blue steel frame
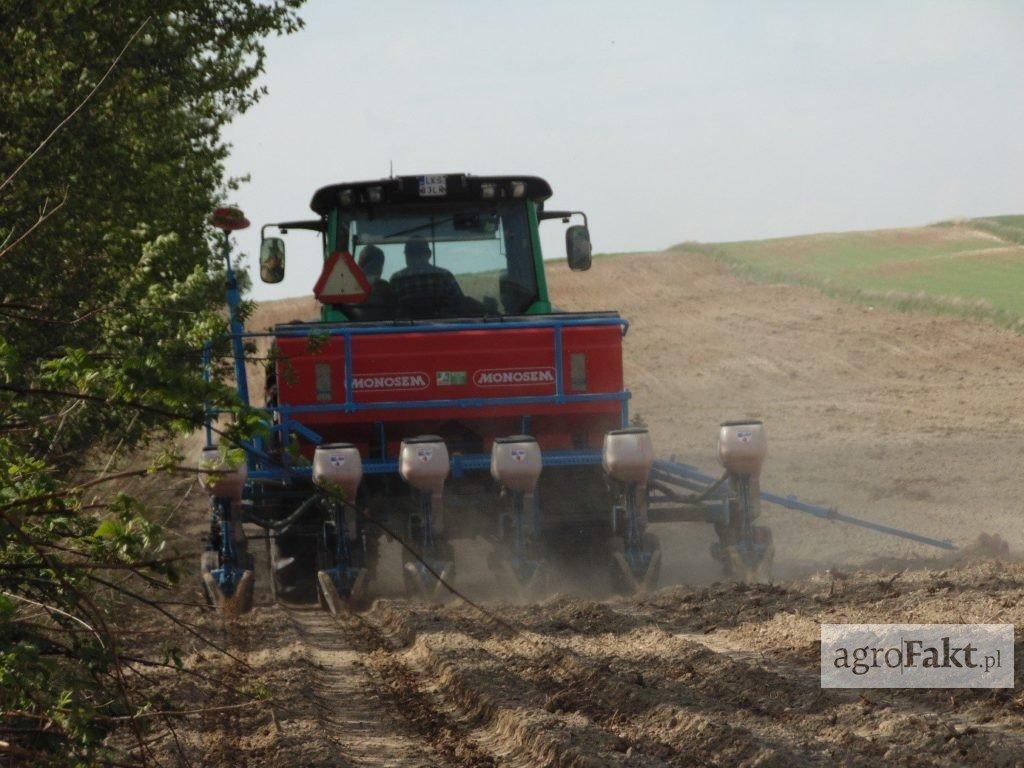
x,y
691,477
263,468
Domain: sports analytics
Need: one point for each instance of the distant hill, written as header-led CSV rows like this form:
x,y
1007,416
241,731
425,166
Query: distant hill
x,y
1009,228
972,267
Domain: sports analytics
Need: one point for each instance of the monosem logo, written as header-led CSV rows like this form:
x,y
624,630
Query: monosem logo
x,y
503,377
917,656
376,382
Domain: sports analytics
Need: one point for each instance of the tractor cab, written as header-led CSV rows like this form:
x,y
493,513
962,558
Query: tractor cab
x,y
431,247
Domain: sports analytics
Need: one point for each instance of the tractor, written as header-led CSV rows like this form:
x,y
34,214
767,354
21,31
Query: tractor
x,y
440,396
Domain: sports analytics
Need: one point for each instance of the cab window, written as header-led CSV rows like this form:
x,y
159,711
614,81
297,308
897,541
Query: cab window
x,y
466,260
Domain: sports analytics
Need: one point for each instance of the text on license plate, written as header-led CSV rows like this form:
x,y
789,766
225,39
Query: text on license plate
x,y
433,186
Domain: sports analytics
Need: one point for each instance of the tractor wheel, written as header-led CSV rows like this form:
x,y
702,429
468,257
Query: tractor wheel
x,y
293,561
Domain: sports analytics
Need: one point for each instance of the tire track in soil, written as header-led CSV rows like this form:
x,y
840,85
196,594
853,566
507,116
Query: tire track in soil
x,y
614,716
589,683
701,708
469,718
618,717
355,711
223,744
665,698
572,708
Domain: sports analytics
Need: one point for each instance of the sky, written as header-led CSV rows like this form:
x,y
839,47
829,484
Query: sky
x,y
664,121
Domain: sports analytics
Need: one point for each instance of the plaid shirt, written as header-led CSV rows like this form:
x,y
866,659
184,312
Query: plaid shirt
x,y
426,283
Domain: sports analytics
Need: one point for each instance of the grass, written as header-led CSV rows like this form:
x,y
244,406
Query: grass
x,y
1009,228
972,268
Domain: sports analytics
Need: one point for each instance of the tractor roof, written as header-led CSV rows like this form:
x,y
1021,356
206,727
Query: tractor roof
x,y
455,187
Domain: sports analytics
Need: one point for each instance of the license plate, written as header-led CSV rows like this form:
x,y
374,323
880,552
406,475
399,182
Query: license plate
x,y
433,186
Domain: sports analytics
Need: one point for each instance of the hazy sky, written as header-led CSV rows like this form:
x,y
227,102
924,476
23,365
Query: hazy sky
x,y
665,121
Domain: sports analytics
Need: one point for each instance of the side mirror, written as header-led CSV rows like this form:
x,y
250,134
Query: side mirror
x,y
578,248
272,260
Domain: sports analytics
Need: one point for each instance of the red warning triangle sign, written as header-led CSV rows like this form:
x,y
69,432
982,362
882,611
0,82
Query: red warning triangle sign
x,y
342,281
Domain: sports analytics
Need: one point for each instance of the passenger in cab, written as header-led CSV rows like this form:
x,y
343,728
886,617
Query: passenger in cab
x,y
371,261
379,304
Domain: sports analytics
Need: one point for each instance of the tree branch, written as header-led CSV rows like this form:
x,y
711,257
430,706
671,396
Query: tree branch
x,y
76,110
44,214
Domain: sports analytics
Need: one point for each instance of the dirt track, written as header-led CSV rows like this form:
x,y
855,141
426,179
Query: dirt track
x,y
905,419
724,675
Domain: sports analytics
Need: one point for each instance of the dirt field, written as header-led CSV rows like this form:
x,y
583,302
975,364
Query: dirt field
x,y
724,675
909,420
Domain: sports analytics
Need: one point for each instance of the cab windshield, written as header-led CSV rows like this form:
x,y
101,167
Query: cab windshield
x,y
472,260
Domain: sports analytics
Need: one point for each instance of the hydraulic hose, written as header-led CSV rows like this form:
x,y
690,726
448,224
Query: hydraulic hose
x,y
288,522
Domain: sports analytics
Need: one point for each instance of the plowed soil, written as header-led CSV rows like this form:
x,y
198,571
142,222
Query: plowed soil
x,y
910,420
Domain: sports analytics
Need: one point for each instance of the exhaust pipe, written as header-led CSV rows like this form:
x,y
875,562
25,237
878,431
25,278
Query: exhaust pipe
x,y
228,584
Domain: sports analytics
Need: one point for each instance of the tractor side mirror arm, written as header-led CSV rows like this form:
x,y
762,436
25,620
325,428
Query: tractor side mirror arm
x,y
578,250
272,249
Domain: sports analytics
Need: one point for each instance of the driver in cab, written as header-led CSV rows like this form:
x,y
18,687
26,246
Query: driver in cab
x,y
423,289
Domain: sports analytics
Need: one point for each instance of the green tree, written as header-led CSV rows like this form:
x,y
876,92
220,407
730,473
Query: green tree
x,y
109,286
